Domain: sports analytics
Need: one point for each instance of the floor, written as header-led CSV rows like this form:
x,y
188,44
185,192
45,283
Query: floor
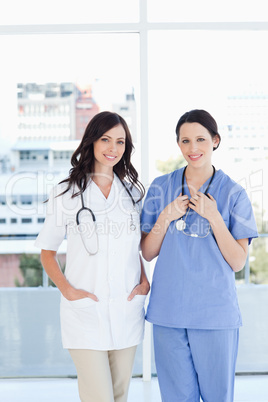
x,y
248,389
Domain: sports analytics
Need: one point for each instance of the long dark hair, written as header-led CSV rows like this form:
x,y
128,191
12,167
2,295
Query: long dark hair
x,y
83,157
202,117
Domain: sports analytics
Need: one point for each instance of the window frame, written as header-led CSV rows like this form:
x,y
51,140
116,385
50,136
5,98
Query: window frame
x,y
143,27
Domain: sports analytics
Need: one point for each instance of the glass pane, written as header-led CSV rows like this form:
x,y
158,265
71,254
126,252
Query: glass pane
x,y
224,73
51,86
259,260
206,11
68,12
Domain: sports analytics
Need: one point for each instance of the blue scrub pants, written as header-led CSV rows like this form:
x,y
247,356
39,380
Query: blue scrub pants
x,y
193,363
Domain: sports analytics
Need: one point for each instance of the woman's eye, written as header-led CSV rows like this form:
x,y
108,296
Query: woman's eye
x,y
104,139
185,141
121,142
201,139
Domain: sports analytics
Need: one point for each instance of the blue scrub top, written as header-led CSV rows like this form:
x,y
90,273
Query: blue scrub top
x,y
193,286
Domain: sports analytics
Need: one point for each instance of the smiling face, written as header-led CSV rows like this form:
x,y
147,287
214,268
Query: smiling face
x,y
109,148
196,144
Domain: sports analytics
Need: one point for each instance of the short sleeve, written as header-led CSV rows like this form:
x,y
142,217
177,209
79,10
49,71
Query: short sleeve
x,y
151,207
54,229
242,220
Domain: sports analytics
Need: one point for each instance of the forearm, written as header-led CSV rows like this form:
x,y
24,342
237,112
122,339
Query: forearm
x,y
152,242
143,279
53,270
233,251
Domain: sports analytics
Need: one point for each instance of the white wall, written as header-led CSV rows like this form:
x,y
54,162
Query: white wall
x,y
30,343
253,348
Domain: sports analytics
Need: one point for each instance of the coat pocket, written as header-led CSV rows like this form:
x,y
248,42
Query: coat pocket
x,y
135,314
80,321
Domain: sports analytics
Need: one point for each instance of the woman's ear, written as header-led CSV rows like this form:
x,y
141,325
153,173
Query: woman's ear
x,y
216,142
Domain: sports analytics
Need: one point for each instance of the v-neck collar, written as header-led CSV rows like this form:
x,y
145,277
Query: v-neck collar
x,y
202,188
100,193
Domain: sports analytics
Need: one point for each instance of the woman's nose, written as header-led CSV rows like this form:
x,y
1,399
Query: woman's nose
x,y
113,146
194,146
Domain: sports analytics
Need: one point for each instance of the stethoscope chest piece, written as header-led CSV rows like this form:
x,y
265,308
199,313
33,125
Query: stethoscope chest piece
x,y
180,225
132,225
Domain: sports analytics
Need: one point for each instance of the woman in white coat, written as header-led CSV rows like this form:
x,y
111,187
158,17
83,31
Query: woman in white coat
x,y
104,286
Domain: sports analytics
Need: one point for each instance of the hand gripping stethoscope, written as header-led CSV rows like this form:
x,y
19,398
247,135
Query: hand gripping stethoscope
x,y
181,223
86,222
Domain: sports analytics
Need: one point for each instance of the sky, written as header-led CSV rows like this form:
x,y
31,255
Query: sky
x,y
109,62
187,69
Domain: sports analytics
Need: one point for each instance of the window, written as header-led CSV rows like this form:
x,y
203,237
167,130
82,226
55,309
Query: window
x,y
229,92
206,11
13,220
14,199
226,70
33,155
26,199
161,80
2,200
24,155
62,12
38,120
26,220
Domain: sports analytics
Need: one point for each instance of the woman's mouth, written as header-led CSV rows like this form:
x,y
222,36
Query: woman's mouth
x,y
110,157
195,157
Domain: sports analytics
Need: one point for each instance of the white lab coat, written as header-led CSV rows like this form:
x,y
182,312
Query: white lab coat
x,y
113,322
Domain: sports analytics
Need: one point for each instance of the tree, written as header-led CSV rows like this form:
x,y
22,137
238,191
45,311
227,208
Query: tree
x,y
259,261
171,164
32,271
259,251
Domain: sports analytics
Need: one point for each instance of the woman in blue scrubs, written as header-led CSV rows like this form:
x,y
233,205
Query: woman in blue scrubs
x,y
199,223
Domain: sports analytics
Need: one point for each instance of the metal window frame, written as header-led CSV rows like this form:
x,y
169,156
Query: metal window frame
x,y
142,28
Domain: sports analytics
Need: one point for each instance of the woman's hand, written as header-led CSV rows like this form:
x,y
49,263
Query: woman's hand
x,y
177,208
205,206
73,294
52,268
151,242
141,289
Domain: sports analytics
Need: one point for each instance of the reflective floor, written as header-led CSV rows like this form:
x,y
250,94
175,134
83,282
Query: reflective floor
x,y
248,389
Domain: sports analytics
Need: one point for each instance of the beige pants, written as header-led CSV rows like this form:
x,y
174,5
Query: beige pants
x,y
103,376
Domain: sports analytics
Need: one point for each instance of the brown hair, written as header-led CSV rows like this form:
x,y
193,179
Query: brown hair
x,y
202,117
83,157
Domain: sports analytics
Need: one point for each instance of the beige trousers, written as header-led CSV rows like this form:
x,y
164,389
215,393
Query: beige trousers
x,y
103,376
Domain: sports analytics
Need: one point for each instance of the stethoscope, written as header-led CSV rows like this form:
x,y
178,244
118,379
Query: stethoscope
x,y
92,246
181,223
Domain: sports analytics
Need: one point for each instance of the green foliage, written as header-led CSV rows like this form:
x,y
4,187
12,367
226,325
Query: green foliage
x,y
171,164
259,261
32,271
259,250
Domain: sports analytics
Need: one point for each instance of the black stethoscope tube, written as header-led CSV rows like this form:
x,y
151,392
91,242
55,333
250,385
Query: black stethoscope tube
x,y
91,212
183,177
